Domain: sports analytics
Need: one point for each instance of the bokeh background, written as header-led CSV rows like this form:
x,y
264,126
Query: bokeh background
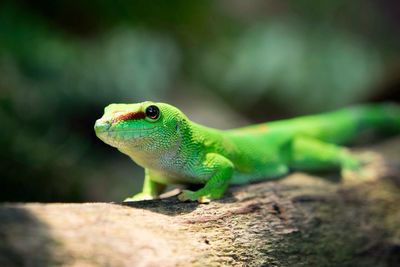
x,y
224,63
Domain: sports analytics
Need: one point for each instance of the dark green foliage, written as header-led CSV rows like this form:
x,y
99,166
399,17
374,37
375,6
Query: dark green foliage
x,y
61,62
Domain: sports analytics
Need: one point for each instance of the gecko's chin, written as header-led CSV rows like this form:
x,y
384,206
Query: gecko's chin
x,y
120,139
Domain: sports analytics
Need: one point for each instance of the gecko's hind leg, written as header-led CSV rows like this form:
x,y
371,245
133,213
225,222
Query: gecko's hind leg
x,y
311,154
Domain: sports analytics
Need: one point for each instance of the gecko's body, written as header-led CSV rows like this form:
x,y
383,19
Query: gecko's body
x,y
175,150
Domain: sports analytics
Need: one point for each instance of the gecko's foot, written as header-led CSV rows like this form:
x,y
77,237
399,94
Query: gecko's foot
x,y
352,169
139,197
352,163
370,166
188,195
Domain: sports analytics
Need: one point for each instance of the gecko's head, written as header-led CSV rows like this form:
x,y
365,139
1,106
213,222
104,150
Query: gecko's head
x,y
146,125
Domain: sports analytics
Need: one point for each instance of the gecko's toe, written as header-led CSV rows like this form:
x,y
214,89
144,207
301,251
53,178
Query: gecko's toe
x,y
139,197
204,199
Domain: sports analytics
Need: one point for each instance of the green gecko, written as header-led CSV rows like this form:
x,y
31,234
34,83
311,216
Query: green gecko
x,y
175,150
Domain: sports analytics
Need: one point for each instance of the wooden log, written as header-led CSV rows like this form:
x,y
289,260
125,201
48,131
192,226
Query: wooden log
x,y
300,220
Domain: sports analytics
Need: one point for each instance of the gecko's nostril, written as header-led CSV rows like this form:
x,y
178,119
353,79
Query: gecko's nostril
x,y
101,126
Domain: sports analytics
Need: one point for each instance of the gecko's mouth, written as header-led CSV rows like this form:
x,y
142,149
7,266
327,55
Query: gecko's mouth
x,y
118,137
133,131
105,127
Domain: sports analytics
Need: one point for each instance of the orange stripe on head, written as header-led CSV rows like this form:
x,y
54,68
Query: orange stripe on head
x,y
130,116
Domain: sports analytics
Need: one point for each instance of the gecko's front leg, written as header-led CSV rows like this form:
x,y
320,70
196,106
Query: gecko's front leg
x,y
151,189
220,170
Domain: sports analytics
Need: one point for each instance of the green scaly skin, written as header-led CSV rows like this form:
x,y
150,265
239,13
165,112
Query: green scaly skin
x,y
175,150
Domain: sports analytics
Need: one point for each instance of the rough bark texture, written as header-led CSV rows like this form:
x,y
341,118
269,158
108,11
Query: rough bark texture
x,y
300,220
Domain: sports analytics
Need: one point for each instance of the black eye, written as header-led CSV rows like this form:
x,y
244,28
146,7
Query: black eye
x,y
152,112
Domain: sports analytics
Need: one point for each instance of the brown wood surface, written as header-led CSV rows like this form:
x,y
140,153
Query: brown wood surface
x,y
301,220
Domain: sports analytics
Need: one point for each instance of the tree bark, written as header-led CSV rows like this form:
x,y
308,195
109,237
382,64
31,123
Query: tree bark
x,y
300,220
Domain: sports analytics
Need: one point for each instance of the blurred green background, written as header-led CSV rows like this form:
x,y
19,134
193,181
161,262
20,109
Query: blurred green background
x,y
224,63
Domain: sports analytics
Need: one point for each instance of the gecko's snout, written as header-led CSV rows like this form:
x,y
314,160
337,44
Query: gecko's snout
x,y
101,126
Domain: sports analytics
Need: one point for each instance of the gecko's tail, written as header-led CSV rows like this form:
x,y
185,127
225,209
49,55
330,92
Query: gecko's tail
x,y
350,124
385,118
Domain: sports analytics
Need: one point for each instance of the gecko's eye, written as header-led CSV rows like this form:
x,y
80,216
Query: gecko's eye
x,y
152,112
